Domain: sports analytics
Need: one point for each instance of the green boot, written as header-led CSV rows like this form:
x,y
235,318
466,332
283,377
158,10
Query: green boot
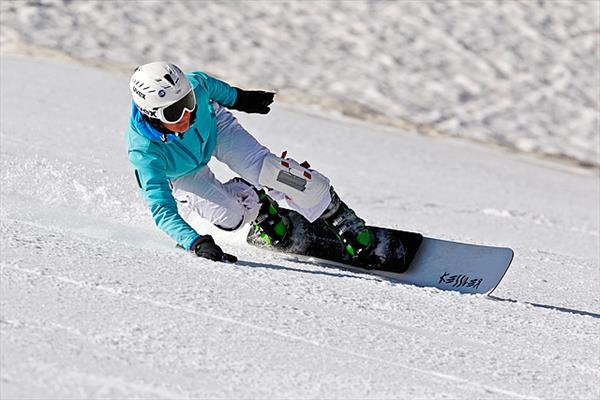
x,y
357,238
270,224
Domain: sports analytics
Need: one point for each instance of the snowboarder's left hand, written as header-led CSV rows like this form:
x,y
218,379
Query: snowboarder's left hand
x,y
253,101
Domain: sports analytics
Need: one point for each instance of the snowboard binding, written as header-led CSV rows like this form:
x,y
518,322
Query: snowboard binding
x,y
270,225
357,238
349,233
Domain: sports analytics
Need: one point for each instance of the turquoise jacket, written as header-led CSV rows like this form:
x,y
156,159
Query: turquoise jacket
x,y
156,162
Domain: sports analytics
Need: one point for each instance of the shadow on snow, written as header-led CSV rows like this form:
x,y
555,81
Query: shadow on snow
x,y
376,277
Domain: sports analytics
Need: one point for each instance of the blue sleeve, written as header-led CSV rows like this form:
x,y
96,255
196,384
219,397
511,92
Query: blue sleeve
x,y
218,90
154,184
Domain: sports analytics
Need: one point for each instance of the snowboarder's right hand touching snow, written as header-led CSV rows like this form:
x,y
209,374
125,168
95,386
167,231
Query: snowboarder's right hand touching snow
x,y
206,247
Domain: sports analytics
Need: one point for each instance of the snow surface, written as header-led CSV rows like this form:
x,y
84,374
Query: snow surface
x,y
522,74
95,302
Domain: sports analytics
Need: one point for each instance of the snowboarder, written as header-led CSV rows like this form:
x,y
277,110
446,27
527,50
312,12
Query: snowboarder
x,y
179,121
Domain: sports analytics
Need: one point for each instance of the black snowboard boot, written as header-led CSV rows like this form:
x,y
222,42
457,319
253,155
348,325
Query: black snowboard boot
x,y
270,224
357,238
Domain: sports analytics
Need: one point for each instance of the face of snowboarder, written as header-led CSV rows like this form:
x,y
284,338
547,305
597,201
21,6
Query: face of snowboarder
x,y
182,125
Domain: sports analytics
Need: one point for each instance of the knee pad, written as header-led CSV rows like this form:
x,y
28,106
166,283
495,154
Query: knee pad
x,y
307,188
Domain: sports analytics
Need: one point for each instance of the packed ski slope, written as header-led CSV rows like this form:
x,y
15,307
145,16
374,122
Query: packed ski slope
x,y
95,302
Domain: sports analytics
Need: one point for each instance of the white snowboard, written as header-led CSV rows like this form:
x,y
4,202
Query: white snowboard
x,y
447,265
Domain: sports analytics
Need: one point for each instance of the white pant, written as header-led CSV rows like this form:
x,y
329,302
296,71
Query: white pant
x,y
230,205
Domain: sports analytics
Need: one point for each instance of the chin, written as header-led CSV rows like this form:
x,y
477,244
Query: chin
x,y
178,128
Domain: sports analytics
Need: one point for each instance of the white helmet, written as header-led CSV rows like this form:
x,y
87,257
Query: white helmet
x,y
161,90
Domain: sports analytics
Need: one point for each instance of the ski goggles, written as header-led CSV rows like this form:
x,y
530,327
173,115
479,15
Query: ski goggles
x,y
173,113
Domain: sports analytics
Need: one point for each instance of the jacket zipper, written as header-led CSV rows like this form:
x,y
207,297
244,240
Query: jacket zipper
x,y
189,153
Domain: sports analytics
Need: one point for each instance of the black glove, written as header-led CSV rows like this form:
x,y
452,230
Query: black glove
x,y
253,101
206,247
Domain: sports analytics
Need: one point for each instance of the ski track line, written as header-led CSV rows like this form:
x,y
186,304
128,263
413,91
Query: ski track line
x,y
452,378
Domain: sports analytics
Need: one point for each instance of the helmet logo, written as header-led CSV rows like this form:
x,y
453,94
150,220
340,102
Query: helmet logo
x,y
150,113
161,93
137,91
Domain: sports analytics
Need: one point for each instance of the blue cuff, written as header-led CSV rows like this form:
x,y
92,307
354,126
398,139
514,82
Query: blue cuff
x,y
190,243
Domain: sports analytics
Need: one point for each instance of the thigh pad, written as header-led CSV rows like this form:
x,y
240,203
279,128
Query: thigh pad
x,y
306,187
